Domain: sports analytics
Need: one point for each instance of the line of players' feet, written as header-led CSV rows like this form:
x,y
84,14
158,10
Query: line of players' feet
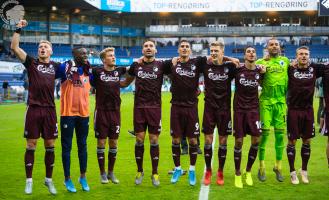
x,y
176,174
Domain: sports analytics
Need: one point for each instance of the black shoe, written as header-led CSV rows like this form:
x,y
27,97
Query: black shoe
x,y
184,151
132,133
199,150
278,174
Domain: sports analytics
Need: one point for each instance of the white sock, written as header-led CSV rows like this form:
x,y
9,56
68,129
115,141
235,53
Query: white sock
x,y
178,168
192,168
29,180
48,180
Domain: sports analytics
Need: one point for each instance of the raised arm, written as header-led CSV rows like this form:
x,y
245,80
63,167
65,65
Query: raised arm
x,y
128,79
20,53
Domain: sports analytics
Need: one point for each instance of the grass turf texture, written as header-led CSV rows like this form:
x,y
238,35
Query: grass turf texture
x,y
12,173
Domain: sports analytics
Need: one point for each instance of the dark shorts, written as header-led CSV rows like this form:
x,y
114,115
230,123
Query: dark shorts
x,y
147,118
40,120
300,124
107,124
214,117
184,121
246,123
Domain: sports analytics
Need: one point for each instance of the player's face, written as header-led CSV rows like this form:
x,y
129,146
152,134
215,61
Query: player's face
x,y
273,47
216,52
44,50
149,49
303,56
250,54
109,59
81,55
184,49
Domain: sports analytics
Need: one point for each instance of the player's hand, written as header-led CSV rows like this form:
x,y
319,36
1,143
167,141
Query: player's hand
x,y
174,61
209,60
262,68
21,24
140,60
294,64
267,57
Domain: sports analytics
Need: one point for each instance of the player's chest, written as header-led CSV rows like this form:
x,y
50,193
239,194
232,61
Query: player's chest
x,y
186,70
218,74
248,79
149,72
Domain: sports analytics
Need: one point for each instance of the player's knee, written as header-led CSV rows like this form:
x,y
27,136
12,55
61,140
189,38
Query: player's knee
x,y
222,140
193,141
208,139
292,142
307,141
31,144
139,140
112,143
101,143
176,140
238,142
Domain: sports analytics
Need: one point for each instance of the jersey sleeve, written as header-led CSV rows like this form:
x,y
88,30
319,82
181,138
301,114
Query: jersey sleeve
x,y
28,61
131,70
201,62
167,64
123,70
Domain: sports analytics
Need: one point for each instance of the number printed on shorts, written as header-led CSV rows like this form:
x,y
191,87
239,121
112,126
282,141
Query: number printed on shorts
x,y
197,126
118,129
259,124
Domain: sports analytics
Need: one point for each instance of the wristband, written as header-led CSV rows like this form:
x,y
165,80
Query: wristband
x,y
18,30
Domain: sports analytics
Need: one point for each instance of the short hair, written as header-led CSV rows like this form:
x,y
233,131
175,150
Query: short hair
x,y
102,54
219,44
149,40
47,42
302,47
272,38
247,47
180,42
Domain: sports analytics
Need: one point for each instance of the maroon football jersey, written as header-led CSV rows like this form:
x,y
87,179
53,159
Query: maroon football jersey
x,y
185,81
217,79
148,83
246,89
107,85
41,81
323,71
301,84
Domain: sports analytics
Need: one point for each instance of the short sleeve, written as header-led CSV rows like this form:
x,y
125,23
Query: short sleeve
x,y
122,71
201,62
28,61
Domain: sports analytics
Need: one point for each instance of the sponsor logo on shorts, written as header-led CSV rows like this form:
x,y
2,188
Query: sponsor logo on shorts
x,y
183,72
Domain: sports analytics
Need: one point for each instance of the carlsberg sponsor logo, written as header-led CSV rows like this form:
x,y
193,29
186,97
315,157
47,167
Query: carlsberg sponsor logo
x,y
301,75
246,82
217,77
108,78
183,72
147,75
44,69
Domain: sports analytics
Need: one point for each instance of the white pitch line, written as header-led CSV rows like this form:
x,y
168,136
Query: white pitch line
x,y
204,190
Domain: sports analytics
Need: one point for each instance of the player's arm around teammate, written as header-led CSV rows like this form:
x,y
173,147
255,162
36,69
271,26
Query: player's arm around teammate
x,y
40,116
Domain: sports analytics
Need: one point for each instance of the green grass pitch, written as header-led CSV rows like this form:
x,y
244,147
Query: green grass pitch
x,y
12,174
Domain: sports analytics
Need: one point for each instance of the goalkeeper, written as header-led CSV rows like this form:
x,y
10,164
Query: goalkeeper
x,y
273,105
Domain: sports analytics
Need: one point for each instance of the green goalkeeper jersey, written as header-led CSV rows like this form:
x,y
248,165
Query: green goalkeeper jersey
x,y
275,81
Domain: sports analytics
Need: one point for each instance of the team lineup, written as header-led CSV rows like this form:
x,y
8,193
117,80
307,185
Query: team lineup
x,y
285,103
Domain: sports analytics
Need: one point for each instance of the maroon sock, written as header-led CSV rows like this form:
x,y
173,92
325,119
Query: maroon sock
x,y
208,155
175,148
252,156
112,157
193,151
101,159
49,161
222,150
291,154
154,151
29,161
305,153
139,153
237,159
